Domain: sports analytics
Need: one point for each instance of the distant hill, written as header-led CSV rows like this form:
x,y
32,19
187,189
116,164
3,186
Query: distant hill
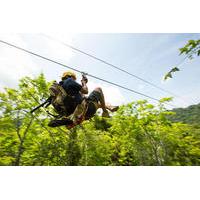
x,y
189,115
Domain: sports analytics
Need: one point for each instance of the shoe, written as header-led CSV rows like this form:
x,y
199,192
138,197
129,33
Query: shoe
x,y
113,108
105,114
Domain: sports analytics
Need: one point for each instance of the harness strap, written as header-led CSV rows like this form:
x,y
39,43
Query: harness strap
x,y
62,90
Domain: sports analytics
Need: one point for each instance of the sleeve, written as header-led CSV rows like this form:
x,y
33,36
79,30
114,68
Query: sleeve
x,y
77,86
72,85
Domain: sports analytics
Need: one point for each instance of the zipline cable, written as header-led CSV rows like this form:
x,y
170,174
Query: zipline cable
x,y
114,66
58,63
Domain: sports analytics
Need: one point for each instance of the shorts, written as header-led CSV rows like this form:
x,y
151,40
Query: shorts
x,y
93,99
94,96
91,110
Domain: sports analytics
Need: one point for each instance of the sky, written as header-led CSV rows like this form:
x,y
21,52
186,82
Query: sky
x,y
149,56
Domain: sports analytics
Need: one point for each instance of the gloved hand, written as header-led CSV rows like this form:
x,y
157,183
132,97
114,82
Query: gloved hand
x,y
84,78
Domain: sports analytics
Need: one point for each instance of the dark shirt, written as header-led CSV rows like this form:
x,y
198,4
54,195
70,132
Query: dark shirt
x,y
73,89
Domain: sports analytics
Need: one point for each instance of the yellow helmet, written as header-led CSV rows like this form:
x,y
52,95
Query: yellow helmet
x,y
68,73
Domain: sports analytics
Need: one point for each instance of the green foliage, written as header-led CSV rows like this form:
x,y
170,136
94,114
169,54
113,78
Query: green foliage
x,y
138,134
169,74
189,115
190,50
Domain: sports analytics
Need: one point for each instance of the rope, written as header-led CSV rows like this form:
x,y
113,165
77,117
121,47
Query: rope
x,y
58,63
116,67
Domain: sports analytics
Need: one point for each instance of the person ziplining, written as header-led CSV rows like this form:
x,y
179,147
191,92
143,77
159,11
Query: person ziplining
x,y
71,103
69,97
74,104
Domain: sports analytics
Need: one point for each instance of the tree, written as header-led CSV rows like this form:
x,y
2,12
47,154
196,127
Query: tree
x,y
138,134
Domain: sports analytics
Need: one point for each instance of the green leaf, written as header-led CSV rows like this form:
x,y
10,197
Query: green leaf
x,y
168,75
182,50
191,42
175,69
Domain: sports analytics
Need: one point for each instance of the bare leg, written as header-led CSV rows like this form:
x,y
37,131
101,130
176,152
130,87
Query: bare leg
x,y
109,107
103,105
102,99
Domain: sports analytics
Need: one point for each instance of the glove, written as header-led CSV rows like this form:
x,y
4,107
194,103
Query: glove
x,y
84,78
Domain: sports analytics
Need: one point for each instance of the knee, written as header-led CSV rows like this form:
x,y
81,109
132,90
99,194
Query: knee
x,y
98,89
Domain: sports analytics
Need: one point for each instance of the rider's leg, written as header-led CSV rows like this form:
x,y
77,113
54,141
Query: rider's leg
x,y
101,99
103,105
